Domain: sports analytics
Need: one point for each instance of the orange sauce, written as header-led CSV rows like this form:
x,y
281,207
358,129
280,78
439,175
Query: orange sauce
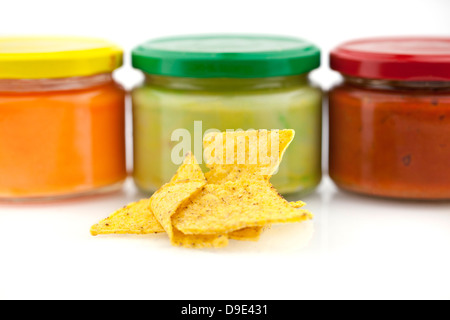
x,y
61,142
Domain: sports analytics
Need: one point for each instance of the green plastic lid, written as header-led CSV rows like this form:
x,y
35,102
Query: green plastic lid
x,y
226,56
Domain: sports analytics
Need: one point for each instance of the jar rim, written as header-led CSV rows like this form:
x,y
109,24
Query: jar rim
x,y
388,84
48,85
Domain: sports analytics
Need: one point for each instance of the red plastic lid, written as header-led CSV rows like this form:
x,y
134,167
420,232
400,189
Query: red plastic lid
x,y
396,58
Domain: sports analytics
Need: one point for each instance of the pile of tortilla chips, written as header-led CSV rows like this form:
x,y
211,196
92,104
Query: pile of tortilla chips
x,y
234,200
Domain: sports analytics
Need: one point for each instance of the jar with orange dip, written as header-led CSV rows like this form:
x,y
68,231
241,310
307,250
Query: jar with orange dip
x,y
61,117
390,117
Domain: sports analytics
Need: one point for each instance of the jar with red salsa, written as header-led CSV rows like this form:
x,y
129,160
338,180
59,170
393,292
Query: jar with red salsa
x,y
390,117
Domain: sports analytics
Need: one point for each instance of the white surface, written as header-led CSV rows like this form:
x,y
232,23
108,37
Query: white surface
x,y
356,248
360,248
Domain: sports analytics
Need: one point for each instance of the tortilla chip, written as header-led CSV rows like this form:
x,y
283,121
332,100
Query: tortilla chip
x,y
136,218
235,200
253,234
250,155
189,170
297,204
219,209
165,203
246,234
188,181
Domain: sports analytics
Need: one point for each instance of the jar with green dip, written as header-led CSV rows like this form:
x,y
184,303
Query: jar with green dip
x,y
226,82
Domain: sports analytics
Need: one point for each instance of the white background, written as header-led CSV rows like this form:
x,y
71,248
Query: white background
x,y
356,248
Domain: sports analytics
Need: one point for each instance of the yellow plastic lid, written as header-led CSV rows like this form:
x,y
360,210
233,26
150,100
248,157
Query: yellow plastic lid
x,y
56,57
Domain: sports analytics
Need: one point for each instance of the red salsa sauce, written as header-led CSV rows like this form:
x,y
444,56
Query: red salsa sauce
x,y
390,143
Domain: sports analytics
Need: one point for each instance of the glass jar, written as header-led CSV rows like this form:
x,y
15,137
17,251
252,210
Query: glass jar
x,y
390,118
226,82
61,118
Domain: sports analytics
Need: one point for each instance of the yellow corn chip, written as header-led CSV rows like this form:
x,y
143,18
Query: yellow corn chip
x,y
189,170
297,204
166,201
253,234
136,218
246,234
219,209
234,201
250,155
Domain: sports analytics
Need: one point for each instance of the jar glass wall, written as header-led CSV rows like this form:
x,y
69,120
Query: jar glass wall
x,y
164,104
